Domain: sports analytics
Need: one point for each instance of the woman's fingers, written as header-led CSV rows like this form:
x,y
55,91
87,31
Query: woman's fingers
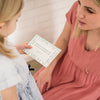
x,y
44,89
48,86
41,85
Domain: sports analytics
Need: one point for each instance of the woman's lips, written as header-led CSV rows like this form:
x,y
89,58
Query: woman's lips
x,y
81,23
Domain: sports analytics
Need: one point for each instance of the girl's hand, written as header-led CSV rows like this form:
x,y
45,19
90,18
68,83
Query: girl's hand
x,y
22,46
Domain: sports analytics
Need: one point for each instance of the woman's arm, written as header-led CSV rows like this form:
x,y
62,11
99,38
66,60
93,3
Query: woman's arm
x,y
9,94
61,43
44,77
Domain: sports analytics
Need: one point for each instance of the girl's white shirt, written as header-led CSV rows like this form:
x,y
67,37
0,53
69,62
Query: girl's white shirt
x,y
12,71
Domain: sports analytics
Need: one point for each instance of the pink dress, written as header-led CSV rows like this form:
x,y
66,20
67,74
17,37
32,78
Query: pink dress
x,y
70,80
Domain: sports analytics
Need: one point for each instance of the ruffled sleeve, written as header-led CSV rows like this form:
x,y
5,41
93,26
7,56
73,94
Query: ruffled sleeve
x,y
8,74
71,15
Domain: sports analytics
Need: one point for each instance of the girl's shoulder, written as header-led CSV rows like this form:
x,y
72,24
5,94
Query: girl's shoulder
x,y
9,75
5,61
6,65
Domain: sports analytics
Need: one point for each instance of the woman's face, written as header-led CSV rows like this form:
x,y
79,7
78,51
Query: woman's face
x,y
88,15
10,26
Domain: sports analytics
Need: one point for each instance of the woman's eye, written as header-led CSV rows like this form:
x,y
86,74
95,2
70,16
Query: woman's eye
x,y
90,11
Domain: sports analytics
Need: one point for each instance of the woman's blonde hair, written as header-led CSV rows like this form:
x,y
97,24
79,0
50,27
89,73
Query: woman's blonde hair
x,y
97,2
77,31
8,9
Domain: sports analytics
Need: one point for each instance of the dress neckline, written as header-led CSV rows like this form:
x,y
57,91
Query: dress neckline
x,y
84,43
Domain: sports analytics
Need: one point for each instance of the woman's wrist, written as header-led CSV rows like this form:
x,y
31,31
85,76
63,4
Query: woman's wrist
x,y
52,66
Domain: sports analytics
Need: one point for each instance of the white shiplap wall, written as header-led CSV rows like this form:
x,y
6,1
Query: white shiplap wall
x,y
43,17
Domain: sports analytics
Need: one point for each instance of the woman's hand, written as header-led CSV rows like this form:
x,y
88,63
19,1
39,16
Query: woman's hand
x,y
43,80
22,46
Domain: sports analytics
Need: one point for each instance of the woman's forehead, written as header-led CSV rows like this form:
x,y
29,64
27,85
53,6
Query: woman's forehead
x,y
90,3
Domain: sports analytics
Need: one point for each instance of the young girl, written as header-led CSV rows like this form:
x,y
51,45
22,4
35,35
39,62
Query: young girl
x,y
75,72
16,82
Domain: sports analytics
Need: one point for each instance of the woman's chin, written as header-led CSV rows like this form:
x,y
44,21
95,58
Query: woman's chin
x,y
83,28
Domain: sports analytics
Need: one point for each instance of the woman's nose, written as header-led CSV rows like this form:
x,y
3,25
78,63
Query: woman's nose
x,y
80,13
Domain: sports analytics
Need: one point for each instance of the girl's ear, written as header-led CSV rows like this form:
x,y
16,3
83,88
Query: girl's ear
x,y
1,26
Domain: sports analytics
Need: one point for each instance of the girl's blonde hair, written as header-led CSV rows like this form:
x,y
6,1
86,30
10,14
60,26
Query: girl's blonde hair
x,y
8,9
77,31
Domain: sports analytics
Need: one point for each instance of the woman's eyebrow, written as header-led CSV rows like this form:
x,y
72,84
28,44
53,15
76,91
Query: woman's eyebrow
x,y
90,8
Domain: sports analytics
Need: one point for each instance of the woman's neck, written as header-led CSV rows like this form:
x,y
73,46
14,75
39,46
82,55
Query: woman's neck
x,y
93,39
95,32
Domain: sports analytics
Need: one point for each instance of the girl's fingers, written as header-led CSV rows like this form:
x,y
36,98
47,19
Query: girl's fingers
x,y
21,52
27,46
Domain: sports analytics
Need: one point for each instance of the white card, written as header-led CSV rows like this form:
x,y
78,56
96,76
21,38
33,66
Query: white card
x,y
42,51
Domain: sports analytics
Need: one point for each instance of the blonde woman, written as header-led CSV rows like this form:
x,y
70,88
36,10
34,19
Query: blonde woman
x,y
75,72
16,82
